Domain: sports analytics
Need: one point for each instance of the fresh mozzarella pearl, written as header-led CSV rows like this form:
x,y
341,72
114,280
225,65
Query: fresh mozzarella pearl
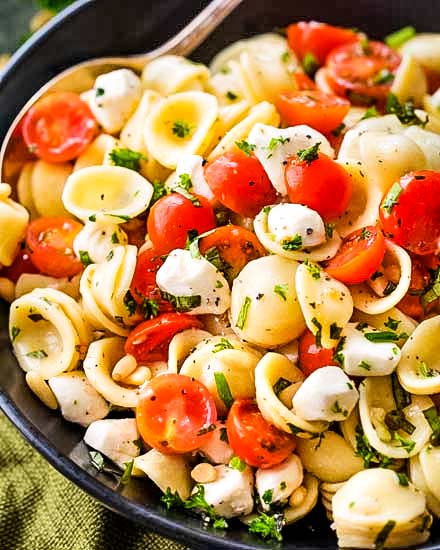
x,y
275,485
327,394
97,240
286,221
182,275
215,449
192,165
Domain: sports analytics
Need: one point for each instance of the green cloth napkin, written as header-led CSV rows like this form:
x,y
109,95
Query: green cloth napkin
x,y
42,510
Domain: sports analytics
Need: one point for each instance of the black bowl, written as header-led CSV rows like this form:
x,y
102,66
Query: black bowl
x,y
103,27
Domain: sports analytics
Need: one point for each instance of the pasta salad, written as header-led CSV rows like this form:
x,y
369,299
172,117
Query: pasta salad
x,y
229,275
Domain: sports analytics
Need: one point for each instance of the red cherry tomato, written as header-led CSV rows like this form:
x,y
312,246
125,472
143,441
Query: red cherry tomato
x,y
175,414
173,216
50,243
362,73
59,127
311,356
149,341
410,212
322,185
316,38
240,183
420,280
21,264
253,439
143,285
321,111
235,245
359,256
304,82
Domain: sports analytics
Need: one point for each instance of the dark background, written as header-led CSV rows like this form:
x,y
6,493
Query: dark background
x,y
14,22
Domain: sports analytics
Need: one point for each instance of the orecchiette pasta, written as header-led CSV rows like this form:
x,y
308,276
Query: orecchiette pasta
x,y
171,74
13,221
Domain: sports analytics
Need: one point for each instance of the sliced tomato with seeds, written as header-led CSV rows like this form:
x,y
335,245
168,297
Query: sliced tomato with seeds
x,y
359,256
149,341
143,285
176,414
362,71
50,243
59,127
311,356
321,111
235,247
253,439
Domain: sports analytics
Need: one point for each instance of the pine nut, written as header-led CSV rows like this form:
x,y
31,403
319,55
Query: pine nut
x,y
41,389
298,496
204,473
124,367
138,377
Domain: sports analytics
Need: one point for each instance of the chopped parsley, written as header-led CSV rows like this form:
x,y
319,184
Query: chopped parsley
x,y
185,182
392,198
182,303
280,385
115,237
126,475
398,38
206,430
237,463
267,496
404,111
15,331
425,371
310,154
292,244
129,303
149,308
365,234
198,502
318,333
37,354
434,422
313,269
392,324
183,188
407,444
335,331
310,64
244,310
159,191
274,142
369,455
364,365
127,158
370,113
171,500
329,228
223,344
246,147
267,526
281,290
181,128
85,258
223,389
379,543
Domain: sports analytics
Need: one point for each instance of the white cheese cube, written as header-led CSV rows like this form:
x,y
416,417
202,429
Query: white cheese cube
x,y
231,493
78,400
200,286
327,394
116,438
192,165
115,98
273,146
361,357
287,221
216,450
276,484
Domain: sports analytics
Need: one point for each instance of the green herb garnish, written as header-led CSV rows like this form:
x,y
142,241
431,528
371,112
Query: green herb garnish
x,y
237,463
85,258
223,344
398,38
246,147
181,128
182,303
281,290
223,389
267,526
15,331
310,64
379,543
310,154
292,244
244,310
405,112
280,385
127,158
37,354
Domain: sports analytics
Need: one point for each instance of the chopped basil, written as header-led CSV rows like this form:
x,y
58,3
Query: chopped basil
x,y
223,344
389,289
267,496
398,38
280,385
224,435
318,333
35,317
285,57
182,303
329,228
369,455
109,256
379,543
407,444
433,291
401,397
404,111
99,92
183,188
206,430
126,475
434,422
292,244
376,275
365,234
335,331
213,257
338,355
244,310
383,336
115,238
396,420
15,331
85,258
37,354
223,389
181,128
310,64
237,463
149,308
281,290
392,324
185,181
120,216
403,479
246,147
364,365
391,198
127,158
92,218
97,460
310,154
159,191
337,409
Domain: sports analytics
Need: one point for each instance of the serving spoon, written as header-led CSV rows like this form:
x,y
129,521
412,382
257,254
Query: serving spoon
x,y
82,76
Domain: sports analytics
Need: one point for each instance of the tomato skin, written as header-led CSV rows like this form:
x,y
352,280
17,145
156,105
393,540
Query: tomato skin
x,y
321,111
322,185
317,38
171,412
50,243
240,183
420,280
414,221
352,71
253,439
359,256
149,341
311,356
304,82
171,218
59,127
143,285
236,247
21,264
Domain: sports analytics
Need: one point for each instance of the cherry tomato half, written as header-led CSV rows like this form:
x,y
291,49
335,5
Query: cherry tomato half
x,y
253,439
420,279
321,111
235,245
359,256
304,82
322,185
149,341
59,127
363,73
240,183
173,216
143,285
312,37
175,414
410,212
311,356
21,264
50,243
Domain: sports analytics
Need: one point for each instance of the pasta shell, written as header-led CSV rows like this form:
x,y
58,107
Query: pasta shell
x,y
13,222
425,48
24,189
108,193
95,153
383,321
179,125
181,346
417,476
47,184
170,74
410,81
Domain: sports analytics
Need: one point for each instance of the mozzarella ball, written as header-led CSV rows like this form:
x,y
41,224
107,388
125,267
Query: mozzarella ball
x,y
288,221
